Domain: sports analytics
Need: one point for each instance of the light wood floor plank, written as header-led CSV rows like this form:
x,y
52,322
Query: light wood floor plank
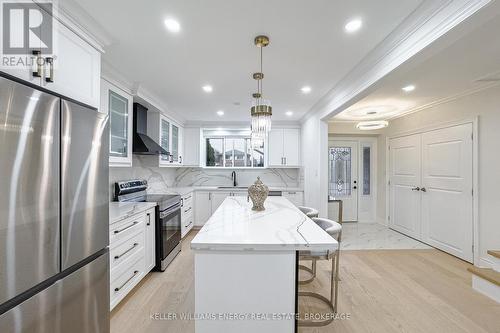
x,y
382,291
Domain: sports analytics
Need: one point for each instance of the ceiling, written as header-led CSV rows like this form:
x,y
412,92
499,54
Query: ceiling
x,y
215,46
465,60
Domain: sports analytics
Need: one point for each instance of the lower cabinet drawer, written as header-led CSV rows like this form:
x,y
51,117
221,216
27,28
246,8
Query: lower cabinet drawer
x,y
187,224
125,228
122,282
126,249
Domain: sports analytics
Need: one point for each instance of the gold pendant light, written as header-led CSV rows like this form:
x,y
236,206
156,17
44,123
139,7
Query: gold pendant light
x,y
261,110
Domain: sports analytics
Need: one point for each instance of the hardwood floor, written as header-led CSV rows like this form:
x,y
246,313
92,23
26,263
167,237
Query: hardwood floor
x,y
381,291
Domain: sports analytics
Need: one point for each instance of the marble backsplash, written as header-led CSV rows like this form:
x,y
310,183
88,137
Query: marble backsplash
x,y
161,179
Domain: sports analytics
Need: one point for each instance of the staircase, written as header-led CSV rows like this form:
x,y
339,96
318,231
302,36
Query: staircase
x,y
487,280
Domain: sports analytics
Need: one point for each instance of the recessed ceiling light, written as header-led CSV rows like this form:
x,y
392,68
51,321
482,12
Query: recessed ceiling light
x,y
353,25
172,25
220,113
306,89
289,113
409,88
207,88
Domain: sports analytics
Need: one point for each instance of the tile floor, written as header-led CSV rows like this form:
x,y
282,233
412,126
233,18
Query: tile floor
x,y
373,236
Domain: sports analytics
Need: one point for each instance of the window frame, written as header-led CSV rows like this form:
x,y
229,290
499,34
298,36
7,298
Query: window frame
x,y
246,139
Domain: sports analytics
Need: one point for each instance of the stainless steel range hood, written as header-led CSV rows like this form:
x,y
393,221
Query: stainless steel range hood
x,y
142,144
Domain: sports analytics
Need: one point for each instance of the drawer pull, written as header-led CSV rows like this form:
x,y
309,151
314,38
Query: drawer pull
x,y
187,210
127,227
124,253
125,283
188,224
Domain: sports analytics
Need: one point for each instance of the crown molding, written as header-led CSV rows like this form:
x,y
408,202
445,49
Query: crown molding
x,y
431,20
144,95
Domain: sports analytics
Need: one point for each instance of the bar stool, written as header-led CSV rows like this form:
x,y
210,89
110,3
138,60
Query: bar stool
x,y
310,212
334,229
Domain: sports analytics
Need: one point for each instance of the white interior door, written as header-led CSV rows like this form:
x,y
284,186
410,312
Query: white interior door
x,y
343,179
447,218
405,180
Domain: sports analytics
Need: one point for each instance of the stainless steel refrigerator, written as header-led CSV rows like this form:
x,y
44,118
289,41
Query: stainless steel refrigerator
x,y
54,266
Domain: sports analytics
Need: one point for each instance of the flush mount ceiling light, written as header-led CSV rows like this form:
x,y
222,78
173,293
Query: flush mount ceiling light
x,y
261,110
289,113
408,88
372,125
306,89
353,25
220,113
207,88
172,25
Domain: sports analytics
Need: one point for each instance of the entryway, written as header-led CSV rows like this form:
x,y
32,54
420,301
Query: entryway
x,y
352,177
431,188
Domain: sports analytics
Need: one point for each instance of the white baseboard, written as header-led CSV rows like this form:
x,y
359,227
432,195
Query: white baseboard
x,y
484,263
486,288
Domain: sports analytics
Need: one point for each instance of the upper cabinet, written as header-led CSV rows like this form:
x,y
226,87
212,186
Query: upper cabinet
x,y
191,146
73,70
284,148
118,105
169,134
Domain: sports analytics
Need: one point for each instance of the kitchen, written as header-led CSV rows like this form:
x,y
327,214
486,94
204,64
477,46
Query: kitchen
x,y
204,167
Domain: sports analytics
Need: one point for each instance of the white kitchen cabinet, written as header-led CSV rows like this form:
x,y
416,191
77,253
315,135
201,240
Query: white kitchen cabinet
x,y
150,244
284,147
187,216
216,199
169,136
203,207
296,197
118,105
73,70
76,69
191,143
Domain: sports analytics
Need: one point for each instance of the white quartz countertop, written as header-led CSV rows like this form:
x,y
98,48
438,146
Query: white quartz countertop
x,y
121,210
280,227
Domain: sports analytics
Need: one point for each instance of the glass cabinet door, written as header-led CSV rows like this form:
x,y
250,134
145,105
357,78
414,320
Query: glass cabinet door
x,y
175,144
118,115
165,138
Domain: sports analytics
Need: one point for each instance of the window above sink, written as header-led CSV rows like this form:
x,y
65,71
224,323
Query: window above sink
x,y
231,148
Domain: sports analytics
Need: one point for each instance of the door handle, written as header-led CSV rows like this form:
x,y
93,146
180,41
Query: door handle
x,y
50,61
39,64
416,189
423,189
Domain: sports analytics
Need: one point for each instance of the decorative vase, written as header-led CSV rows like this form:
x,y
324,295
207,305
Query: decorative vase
x,y
258,193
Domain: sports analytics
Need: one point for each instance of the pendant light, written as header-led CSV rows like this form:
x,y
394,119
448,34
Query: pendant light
x,y
261,110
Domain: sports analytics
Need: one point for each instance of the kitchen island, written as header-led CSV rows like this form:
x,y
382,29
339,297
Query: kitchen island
x,y
246,266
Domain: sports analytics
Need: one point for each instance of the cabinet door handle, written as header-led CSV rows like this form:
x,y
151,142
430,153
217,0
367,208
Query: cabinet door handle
x,y
284,159
182,202
423,189
210,196
180,159
50,61
149,219
127,251
129,226
38,62
125,283
416,188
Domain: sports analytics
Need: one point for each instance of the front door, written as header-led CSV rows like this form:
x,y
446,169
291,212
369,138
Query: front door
x,y
343,178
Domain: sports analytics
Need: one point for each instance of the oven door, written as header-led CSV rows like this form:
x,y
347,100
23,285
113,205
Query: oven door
x,y
170,229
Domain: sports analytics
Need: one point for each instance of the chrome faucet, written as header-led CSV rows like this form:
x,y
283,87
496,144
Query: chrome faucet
x,y
233,178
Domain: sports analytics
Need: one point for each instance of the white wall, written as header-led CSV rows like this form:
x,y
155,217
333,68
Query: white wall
x,y
486,105
314,147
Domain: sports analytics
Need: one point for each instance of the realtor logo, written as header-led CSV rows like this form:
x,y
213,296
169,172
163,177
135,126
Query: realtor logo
x,y
26,26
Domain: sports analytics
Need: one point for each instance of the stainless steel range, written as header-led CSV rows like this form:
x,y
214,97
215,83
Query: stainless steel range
x,y
168,218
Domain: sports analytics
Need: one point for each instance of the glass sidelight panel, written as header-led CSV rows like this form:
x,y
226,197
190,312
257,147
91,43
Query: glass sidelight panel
x,y
366,170
118,114
340,159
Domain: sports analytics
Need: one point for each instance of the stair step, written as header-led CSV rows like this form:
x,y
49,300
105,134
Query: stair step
x,y
486,273
494,253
